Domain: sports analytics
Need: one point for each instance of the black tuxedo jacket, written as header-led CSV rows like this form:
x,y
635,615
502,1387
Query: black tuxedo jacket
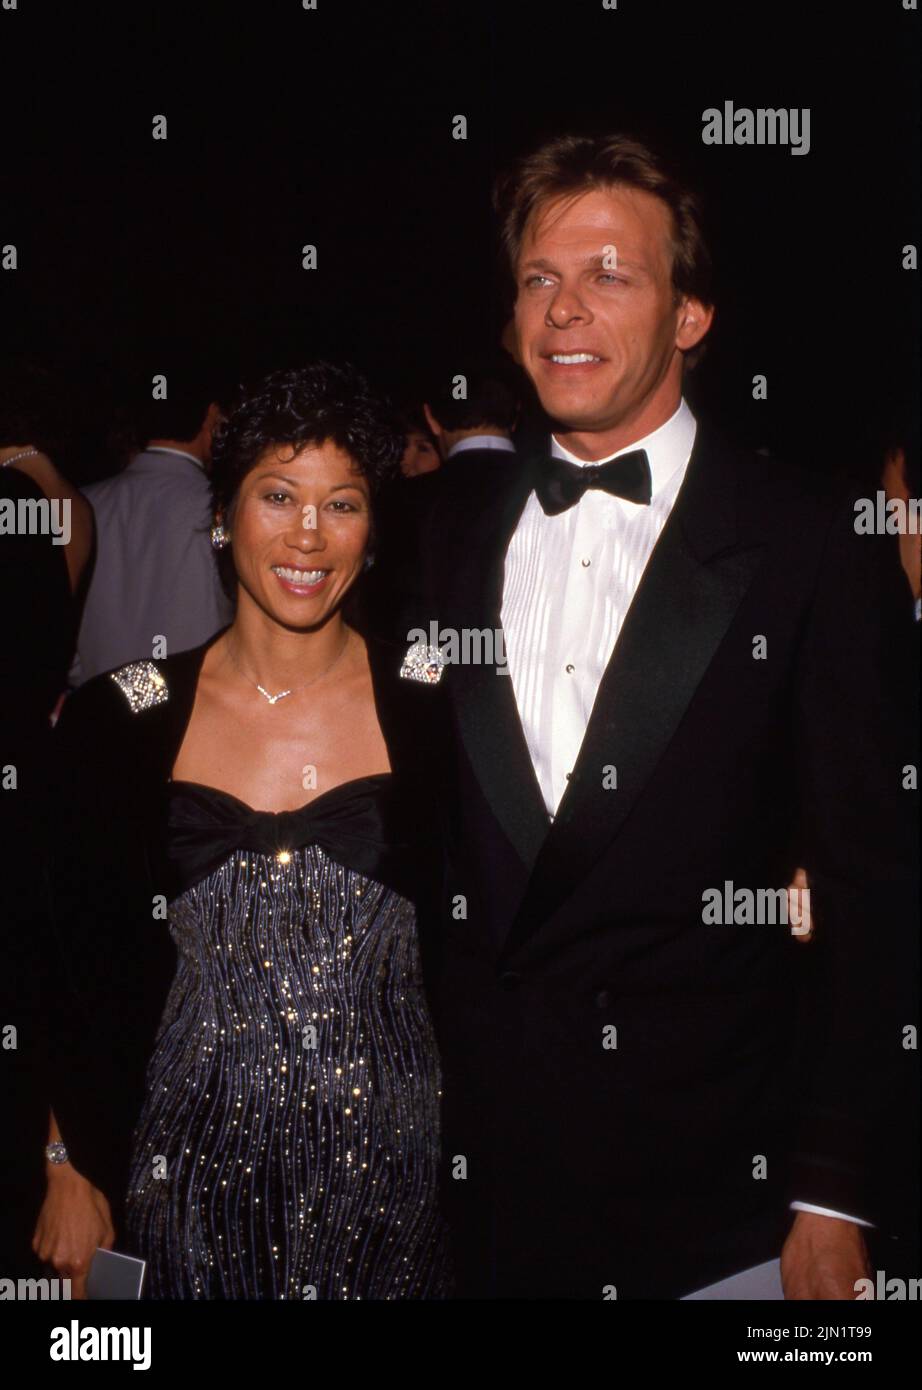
x,y
632,1096
108,864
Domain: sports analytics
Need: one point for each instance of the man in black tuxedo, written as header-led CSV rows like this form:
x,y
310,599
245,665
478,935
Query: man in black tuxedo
x,y
701,677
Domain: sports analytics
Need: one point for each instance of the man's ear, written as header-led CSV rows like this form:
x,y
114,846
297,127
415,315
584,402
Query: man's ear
x,y
510,341
893,476
432,422
695,318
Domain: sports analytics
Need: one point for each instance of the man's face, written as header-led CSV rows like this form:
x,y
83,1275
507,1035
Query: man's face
x,y
598,332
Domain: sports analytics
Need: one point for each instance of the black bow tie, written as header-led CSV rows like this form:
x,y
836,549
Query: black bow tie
x,y
560,484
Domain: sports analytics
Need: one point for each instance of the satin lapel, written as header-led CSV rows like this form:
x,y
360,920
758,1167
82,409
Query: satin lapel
x,y
690,591
165,725
469,585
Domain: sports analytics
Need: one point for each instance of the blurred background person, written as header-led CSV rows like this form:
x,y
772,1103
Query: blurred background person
x,y
900,481
155,573
477,417
32,436
471,435
421,454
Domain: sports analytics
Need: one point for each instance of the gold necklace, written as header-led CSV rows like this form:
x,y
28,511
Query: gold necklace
x,y
274,699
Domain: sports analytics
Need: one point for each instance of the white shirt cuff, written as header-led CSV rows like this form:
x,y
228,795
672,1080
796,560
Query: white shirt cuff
x,y
825,1211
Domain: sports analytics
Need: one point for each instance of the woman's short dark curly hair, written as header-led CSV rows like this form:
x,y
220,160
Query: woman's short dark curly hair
x,y
297,407
300,406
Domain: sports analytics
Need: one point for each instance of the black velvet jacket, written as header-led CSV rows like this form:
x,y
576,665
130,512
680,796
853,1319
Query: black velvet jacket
x,y
113,756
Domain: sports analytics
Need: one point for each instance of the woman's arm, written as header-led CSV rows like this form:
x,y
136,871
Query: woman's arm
x,y
74,1221
96,874
116,957
54,485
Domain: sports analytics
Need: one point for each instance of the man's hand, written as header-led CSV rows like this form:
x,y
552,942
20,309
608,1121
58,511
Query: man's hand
x,y
74,1220
799,914
823,1257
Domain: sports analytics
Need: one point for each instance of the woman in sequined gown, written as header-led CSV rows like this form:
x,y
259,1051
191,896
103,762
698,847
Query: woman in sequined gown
x,y
287,1146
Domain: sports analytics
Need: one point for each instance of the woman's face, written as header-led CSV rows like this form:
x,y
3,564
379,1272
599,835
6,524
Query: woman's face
x,y
300,529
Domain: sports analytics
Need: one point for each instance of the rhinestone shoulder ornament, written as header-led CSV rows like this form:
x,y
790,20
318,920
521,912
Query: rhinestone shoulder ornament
x,y
142,685
423,663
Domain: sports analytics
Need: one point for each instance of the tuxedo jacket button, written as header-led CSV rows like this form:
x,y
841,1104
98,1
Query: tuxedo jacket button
x,y
602,999
510,979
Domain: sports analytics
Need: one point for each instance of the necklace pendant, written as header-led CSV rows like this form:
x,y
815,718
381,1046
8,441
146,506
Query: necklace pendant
x,y
273,699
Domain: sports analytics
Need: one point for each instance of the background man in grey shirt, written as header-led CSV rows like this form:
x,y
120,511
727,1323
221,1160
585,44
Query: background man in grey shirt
x,y
155,575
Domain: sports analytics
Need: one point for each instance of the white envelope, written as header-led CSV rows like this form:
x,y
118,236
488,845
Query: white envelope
x,y
115,1276
762,1283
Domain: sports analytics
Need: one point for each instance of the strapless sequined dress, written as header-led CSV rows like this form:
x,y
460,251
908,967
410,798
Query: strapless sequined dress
x,y
288,1143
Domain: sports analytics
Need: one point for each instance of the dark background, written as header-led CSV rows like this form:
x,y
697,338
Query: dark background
x,y
333,127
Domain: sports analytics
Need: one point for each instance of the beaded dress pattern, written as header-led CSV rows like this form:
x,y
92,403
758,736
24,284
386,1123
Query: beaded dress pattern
x,y
288,1147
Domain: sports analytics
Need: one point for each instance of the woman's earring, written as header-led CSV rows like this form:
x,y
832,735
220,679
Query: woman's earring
x,y
219,537
368,562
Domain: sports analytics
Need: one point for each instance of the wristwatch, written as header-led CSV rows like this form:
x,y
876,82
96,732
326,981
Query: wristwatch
x,y
56,1153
